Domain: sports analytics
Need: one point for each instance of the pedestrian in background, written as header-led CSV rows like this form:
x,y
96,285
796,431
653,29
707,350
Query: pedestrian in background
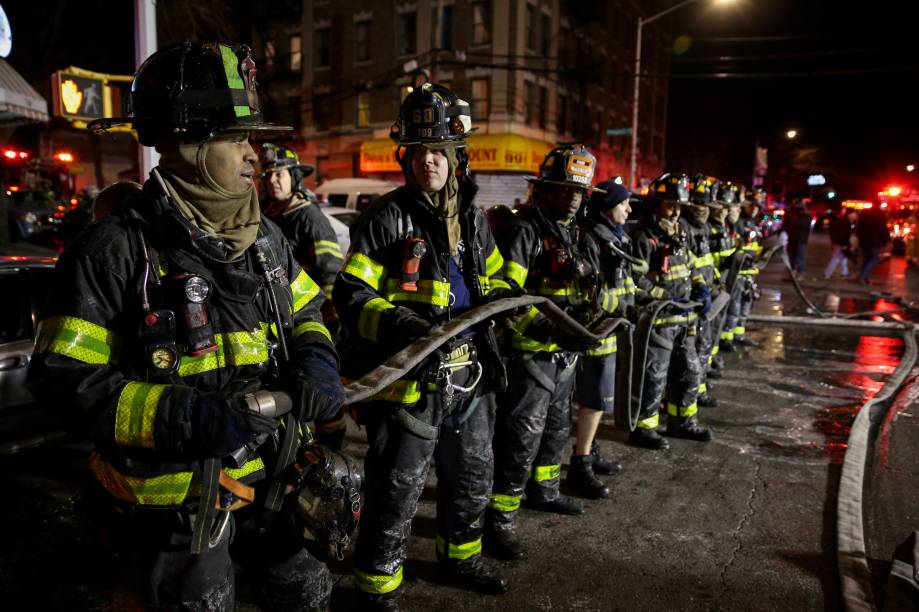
x,y
841,238
873,234
798,229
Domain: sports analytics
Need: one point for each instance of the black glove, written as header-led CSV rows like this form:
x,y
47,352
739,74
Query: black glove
x,y
577,344
703,295
320,391
408,326
222,425
499,293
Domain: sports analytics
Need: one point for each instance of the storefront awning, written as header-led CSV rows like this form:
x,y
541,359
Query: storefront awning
x,y
487,153
19,102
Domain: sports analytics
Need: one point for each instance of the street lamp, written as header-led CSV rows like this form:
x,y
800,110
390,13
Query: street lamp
x,y
791,134
642,22
910,167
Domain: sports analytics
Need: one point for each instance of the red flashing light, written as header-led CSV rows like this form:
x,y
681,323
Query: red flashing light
x,y
14,188
23,155
868,205
65,157
10,154
74,203
894,190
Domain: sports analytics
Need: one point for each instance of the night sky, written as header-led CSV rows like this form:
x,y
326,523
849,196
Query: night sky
x,y
843,76
841,73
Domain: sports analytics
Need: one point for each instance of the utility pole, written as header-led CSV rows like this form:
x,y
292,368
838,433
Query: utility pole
x,y
144,46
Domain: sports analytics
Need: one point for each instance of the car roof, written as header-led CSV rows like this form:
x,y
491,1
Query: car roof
x,y
332,210
360,184
26,261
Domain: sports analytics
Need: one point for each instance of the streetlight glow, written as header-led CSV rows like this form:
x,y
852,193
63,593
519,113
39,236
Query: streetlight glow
x,y
642,22
791,134
910,168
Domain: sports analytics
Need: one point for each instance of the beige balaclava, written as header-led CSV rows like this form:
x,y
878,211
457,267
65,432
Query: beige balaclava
x,y
233,216
446,201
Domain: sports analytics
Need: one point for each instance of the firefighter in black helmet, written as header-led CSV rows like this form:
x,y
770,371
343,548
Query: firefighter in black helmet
x,y
722,247
183,336
542,255
749,235
420,255
672,361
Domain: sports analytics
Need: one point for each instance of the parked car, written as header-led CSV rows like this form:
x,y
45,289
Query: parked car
x,y
341,219
354,193
33,214
25,282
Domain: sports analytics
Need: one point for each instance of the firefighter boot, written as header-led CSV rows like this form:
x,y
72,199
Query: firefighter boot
x,y
744,341
499,539
726,346
707,401
648,438
601,465
472,575
581,478
713,372
562,504
687,428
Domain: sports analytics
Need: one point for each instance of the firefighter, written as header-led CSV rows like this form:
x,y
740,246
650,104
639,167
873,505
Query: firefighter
x,y
694,224
606,245
421,255
296,211
542,255
721,245
749,235
184,338
672,362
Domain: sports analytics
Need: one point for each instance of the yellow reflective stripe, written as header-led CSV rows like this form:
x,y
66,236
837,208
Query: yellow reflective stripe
x,y
494,262
497,283
520,341
303,289
436,293
546,472
687,318
727,335
607,346
459,551
327,247
368,322
740,330
749,272
366,269
677,272
400,392
705,260
650,423
311,327
546,288
715,350
378,584
515,272
135,414
504,503
682,411
658,292
251,467
75,338
609,298
234,349
166,490
703,388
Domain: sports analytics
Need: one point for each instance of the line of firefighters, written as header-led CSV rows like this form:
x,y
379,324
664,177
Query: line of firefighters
x,y
185,339
424,254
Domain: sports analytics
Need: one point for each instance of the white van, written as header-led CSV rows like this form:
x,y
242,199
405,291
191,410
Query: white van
x,y
355,193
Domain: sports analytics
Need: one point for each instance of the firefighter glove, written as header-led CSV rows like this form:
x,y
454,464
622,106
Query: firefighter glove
x,y
222,425
320,390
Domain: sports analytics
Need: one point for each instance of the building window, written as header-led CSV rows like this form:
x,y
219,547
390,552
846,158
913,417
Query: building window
x,y
271,55
543,106
363,110
529,102
480,30
480,108
296,53
545,33
322,38
406,33
530,31
321,113
296,113
362,41
446,27
562,124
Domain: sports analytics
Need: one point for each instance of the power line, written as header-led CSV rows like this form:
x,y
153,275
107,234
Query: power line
x,y
782,56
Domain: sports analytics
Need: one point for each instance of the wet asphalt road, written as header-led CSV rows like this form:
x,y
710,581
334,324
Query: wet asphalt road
x,y
745,522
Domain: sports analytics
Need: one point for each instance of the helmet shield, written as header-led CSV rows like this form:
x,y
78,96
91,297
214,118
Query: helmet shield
x,y
274,157
432,116
571,165
670,187
193,91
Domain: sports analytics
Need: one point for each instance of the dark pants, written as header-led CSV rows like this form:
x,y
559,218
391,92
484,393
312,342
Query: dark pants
x,y
705,344
872,259
531,431
396,468
797,253
153,546
672,365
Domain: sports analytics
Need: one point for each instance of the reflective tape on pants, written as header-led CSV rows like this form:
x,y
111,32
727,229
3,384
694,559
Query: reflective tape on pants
x,y
378,584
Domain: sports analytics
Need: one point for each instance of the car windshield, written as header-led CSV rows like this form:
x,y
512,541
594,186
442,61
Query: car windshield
x,y
347,217
33,200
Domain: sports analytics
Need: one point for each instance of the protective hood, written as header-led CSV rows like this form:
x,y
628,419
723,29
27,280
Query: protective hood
x,y
446,201
232,216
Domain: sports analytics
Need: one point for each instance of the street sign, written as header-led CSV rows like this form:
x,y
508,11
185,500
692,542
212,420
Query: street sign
x,y
80,96
618,131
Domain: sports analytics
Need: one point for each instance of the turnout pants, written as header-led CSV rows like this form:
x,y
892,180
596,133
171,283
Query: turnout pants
x,y
396,468
738,310
531,431
673,364
153,547
705,348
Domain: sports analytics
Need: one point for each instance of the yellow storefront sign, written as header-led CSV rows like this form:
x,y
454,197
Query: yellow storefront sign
x,y
487,153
